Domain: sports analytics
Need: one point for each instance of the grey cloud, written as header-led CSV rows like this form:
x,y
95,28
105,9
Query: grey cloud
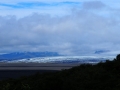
x,y
93,5
82,32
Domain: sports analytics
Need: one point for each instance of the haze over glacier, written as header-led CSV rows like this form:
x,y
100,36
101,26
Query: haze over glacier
x,y
51,57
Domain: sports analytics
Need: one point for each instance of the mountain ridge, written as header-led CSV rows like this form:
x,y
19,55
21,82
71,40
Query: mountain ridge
x,y
24,55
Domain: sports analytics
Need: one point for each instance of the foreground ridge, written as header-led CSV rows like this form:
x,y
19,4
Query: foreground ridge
x,y
102,76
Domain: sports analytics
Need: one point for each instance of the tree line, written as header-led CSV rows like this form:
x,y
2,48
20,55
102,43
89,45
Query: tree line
x,y
102,76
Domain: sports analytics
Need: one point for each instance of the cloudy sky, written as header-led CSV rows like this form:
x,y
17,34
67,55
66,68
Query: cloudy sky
x,y
70,27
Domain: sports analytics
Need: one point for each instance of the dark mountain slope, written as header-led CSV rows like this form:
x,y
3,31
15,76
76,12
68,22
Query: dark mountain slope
x,y
103,76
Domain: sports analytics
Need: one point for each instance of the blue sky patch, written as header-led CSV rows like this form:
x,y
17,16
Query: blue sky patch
x,y
37,4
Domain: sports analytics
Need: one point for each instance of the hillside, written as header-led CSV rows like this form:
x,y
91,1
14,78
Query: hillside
x,y
102,76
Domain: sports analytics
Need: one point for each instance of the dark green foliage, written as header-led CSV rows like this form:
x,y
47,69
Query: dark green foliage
x,y
118,57
103,76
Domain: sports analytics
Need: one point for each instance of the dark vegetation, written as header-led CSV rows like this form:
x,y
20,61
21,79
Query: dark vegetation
x,y
102,76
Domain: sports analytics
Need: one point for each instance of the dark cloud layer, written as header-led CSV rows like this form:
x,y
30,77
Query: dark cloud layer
x,y
82,32
93,5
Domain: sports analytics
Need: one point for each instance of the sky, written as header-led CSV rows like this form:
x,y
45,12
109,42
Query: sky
x,y
69,27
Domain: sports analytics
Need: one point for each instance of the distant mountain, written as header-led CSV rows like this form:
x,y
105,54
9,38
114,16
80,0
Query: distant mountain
x,y
62,59
101,51
25,55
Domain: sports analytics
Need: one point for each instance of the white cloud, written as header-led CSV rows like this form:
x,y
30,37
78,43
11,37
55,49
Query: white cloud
x,y
82,31
59,10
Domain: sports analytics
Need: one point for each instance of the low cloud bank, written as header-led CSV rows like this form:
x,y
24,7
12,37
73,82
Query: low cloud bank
x,y
94,26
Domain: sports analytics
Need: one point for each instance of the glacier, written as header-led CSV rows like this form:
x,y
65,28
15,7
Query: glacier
x,y
62,59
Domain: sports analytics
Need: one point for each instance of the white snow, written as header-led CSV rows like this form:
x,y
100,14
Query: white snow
x,y
63,59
